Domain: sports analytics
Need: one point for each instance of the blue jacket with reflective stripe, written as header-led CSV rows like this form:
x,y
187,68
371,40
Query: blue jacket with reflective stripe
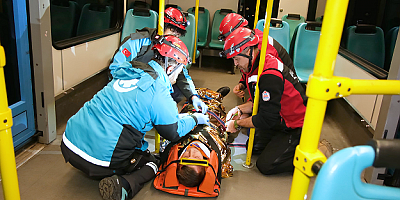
x,y
109,127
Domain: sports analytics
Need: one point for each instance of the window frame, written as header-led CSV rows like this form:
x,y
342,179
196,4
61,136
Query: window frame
x,y
119,15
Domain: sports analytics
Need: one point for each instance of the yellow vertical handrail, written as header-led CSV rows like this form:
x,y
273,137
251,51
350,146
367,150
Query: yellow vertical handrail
x,y
196,16
260,69
328,47
8,167
256,14
161,4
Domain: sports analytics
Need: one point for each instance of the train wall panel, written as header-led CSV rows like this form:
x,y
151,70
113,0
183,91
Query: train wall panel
x,y
293,7
363,104
85,60
377,109
57,72
212,6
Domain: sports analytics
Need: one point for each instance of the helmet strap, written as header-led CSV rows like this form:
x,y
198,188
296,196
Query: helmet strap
x,y
250,57
166,64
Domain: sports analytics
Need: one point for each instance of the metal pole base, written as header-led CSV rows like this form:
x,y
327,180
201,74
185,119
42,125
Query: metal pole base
x,y
248,166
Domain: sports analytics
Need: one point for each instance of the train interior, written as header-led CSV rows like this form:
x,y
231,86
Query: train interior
x,y
58,85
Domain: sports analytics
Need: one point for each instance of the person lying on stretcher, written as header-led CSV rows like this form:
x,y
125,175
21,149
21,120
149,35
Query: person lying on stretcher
x,y
195,164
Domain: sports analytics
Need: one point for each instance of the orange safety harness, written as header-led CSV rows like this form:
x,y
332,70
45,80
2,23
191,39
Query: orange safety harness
x,y
167,181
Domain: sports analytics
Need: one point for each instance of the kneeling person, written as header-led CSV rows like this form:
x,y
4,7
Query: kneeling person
x,y
105,138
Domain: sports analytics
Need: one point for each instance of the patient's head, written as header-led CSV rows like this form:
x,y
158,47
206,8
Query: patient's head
x,y
191,175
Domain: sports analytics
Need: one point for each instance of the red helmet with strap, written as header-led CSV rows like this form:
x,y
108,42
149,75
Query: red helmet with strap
x,y
172,47
231,22
238,41
175,17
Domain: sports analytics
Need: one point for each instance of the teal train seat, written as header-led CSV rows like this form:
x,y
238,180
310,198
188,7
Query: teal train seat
x,y
340,175
174,6
293,20
188,39
218,17
303,49
94,18
279,30
390,42
139,4
319,19
138,18
202,26
367,41
64,17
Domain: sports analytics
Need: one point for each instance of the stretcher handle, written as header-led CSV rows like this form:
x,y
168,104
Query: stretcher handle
x,y
387,153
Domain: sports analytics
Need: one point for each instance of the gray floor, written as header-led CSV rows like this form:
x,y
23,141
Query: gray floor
x,y
47,176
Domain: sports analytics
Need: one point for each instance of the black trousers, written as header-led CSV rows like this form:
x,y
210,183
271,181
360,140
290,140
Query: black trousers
x,y
136,175
276,148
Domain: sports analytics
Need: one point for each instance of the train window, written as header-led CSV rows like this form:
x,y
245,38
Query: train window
x,y
8,41
370,33
77,21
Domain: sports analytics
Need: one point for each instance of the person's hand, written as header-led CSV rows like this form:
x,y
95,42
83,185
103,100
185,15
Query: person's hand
x,y
199,103
230,126
238,90
244,116
201,118
233,113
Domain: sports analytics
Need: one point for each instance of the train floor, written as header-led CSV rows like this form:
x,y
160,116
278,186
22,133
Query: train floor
x,y
43,173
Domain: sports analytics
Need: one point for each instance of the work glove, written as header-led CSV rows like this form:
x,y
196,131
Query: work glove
x,y
199,103
233,112
202,119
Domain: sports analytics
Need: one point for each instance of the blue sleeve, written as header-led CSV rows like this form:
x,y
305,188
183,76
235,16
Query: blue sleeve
x,y
165,116
127,52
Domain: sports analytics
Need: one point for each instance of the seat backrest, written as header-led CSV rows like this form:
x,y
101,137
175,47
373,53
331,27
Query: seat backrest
x,y
319,19
368,42
64,17
390,42
94,18
280,32
188,39
203,24
138,18
293,20
344,168
218,17
304,50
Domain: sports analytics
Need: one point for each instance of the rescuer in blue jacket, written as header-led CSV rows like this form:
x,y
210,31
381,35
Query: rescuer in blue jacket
x,y
137,47
105,138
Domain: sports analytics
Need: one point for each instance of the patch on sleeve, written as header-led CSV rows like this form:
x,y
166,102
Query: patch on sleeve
x,y
266,96
126,52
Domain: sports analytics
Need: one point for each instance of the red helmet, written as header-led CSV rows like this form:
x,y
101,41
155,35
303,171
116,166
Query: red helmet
x,y
172,47
238,41
231,22
175,17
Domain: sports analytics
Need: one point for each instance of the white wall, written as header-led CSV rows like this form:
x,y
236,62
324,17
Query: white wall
x,y
367,106
74,65
320,8
211,5
293,7
57,72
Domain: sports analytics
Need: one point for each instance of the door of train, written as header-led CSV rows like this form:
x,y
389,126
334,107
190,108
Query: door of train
x,y
14,38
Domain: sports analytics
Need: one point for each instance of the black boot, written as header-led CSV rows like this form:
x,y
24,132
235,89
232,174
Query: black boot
x,y
224,90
